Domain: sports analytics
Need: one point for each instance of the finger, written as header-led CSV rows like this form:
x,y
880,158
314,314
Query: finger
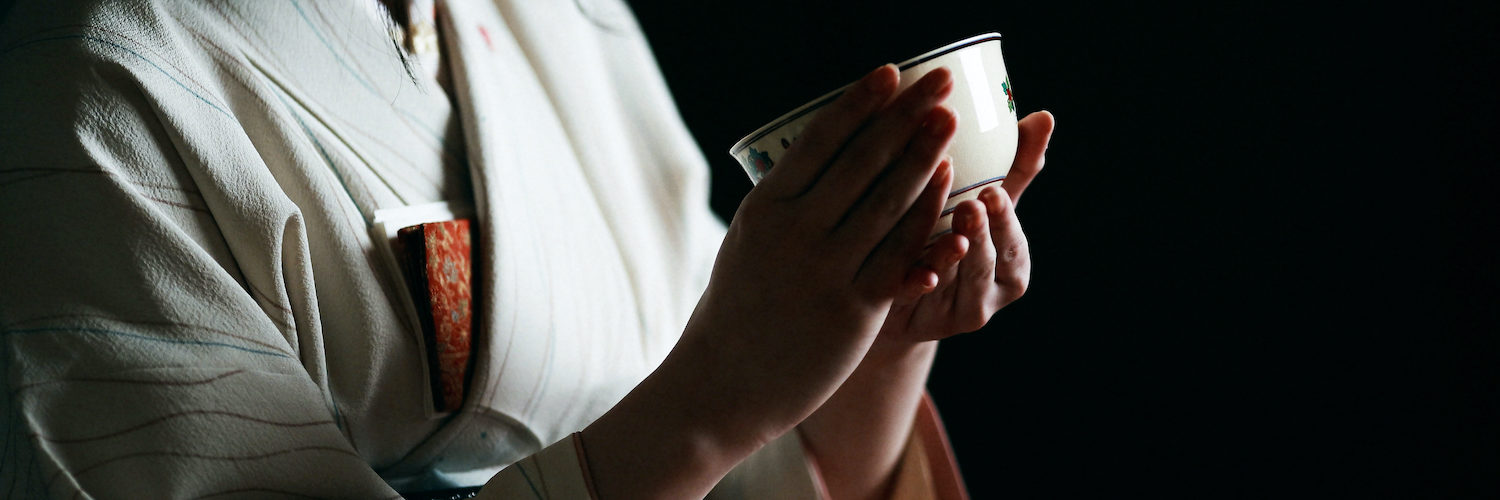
x,y
1012,253
876,146
829,130
935,309
903,245
939,259
892,194
945,251
976,292
920,281
1031,152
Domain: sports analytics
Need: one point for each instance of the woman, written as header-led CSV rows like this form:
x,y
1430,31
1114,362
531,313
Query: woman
x,y
198,300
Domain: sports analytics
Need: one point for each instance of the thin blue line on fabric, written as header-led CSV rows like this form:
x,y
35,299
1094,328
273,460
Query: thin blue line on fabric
x,y
297,5
521,466
328,160
137,54
358,77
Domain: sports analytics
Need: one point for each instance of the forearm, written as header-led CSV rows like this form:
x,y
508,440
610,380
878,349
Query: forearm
x,y
668,438
858,436
712,403
799,291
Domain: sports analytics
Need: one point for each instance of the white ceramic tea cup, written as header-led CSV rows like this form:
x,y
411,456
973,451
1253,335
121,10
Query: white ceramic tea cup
x,y
983,147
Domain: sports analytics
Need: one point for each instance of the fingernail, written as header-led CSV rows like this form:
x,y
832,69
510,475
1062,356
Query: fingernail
x,y
925,278
875,83
990,199
954,257
946,81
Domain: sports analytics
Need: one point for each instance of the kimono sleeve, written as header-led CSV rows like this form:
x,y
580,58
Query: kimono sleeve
x,y
138,361
780,470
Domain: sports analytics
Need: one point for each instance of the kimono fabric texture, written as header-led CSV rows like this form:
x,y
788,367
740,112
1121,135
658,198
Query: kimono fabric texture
x,y
193,304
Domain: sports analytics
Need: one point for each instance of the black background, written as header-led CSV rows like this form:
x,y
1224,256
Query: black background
x,y
1260,241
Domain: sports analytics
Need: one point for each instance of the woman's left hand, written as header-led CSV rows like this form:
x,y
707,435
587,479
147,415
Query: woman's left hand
x,y
985,263
857,437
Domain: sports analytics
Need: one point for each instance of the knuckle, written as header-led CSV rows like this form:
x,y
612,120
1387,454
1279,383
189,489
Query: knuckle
x,y
872,158
1011,254
975,320
889,206
1014,286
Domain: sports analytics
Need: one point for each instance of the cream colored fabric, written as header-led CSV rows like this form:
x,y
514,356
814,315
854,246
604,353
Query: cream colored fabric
x,y
551,474
190,303
928,468
913,479
777,471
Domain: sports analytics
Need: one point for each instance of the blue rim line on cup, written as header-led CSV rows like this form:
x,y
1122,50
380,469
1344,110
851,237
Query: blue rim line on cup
x,y
813,106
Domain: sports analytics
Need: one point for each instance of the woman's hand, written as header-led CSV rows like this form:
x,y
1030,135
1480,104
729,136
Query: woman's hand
x,y
807,273
857,436
985,263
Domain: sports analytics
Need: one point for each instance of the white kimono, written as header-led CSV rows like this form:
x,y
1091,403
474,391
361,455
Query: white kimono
x,y
191,301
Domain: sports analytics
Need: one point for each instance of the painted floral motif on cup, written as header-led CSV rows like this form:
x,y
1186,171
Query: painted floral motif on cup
x,y
1010,98
758,161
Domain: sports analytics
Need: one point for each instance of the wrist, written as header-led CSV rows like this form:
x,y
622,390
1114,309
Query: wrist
x,y
680,430
651,443
906,358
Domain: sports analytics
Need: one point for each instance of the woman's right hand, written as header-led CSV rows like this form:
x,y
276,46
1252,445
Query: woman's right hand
x,y
803,281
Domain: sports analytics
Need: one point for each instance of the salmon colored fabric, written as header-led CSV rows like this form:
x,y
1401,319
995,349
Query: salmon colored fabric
x,y
438,263
928,469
